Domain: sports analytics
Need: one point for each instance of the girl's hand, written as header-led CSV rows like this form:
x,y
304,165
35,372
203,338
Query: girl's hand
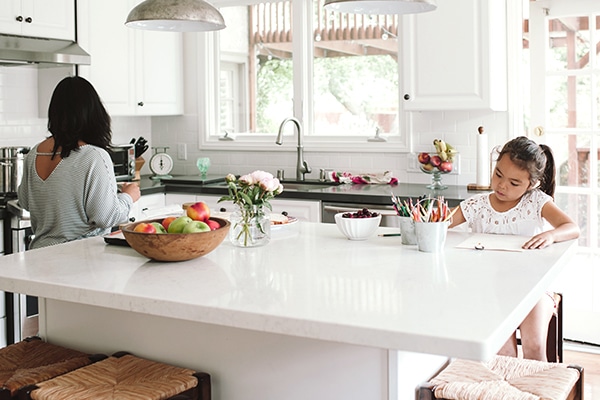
x,y
539,241
132,189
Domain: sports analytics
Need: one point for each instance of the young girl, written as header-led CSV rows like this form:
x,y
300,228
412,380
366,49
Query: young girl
x,y
521,203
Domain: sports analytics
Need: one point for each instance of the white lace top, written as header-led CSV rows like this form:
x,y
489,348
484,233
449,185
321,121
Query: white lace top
x,y
524,219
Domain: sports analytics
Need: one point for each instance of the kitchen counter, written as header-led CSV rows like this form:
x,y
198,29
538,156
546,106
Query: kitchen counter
x,y
344,193
310,315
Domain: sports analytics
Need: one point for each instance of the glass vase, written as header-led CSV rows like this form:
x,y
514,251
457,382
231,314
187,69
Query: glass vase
x,y
250,226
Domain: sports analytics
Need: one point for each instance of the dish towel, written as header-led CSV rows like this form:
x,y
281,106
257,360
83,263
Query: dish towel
x,y
346,177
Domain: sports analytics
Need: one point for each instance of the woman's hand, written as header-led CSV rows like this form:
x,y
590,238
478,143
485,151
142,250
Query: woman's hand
x,y
132,189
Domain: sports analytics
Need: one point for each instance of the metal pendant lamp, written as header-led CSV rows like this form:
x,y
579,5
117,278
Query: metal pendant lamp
x,y
381,6
175,16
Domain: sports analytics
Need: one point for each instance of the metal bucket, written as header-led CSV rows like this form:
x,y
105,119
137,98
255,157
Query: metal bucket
x,y
11,161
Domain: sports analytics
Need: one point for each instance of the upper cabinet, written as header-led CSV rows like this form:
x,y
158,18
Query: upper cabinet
x,y
454,58
135,72
41,18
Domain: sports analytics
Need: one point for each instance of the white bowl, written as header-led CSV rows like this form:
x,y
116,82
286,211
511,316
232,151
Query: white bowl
x,y
357,228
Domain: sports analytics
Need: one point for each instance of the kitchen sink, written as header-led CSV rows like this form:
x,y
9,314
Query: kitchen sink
x,y
307,184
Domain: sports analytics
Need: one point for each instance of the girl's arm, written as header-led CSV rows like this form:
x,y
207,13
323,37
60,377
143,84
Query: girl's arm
x,y
458,218
564,228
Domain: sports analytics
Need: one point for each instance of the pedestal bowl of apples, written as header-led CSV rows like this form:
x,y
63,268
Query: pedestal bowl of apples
x,y
177,238
438,163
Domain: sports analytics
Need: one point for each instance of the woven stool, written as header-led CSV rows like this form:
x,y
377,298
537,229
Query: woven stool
x,y
124,376
505,378
32,360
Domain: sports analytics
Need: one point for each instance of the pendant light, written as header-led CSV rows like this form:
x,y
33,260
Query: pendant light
x,y
381,6
175,16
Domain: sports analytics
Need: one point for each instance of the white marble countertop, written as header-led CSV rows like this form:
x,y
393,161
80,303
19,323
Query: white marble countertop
x,y
311,282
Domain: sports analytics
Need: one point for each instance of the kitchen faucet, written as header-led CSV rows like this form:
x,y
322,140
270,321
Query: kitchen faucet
x,y
302,167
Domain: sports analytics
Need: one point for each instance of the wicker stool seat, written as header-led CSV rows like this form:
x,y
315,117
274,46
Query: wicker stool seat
x,y
32,360
504,378
124,376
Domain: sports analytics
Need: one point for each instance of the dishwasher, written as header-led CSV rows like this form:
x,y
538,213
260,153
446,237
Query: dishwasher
x,y
388,214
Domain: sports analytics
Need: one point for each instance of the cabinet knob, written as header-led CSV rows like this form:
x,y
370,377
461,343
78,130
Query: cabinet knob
x,y
141,104
132,219
284,213
28,20
19,18
407,96
222,209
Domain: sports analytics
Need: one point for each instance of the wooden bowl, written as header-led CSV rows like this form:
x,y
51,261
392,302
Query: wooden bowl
x,y
175,246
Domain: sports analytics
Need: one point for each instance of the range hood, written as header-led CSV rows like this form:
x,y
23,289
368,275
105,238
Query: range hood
x,y
21,50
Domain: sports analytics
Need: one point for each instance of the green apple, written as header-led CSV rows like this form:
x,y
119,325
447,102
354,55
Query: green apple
x,y
159,227
177,225
196,226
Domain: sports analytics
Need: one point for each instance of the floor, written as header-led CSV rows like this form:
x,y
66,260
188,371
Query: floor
x,y
589,358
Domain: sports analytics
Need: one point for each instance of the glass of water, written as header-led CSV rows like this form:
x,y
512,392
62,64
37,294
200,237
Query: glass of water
x,y
203,163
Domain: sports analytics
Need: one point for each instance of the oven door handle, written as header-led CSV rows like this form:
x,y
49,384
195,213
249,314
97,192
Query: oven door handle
x,y
337,209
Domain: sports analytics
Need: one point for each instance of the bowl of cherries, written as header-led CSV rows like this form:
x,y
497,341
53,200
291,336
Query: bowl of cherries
x,y
358,225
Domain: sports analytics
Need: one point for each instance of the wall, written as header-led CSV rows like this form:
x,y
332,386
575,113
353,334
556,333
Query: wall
x,y
20,121
20,125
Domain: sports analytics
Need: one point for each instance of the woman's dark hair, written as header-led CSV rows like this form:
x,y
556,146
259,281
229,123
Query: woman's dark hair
x,y
76,113
537,159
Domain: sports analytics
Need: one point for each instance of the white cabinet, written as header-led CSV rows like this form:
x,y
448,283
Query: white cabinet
x,y
135,72
304,210
140,208
454,58
41,18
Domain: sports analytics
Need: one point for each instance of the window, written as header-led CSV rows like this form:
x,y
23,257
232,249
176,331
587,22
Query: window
x,y
338,74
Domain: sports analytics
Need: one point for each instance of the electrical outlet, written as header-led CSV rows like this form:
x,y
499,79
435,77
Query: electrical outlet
x,y
181,151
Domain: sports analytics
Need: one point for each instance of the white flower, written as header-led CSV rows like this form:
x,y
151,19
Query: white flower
x,y
269,184
230,178
247,180
259,176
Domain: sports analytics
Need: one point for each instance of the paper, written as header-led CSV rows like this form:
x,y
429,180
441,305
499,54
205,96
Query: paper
x,y
483,162
485,241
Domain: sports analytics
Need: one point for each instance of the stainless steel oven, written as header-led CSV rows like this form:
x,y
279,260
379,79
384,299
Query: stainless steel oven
x,y
388,214
20,308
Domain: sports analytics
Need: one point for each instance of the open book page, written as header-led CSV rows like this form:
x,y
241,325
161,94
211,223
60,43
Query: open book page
x,y
485,241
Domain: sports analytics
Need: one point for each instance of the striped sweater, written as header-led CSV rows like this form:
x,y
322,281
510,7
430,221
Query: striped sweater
x,y
79,199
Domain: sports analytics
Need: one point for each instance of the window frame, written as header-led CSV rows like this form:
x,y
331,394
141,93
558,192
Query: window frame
x,y
208,61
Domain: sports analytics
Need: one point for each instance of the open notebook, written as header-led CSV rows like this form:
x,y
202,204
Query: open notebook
x,y
485,241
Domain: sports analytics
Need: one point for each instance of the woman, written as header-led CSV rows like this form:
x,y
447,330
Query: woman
x,y
68,183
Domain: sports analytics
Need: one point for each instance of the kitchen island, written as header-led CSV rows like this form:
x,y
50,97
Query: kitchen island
x,y
309,316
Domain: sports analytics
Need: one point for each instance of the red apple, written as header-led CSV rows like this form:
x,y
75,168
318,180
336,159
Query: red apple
x,y
198,211
436,161
423,158
213,224
445,166
144,228
167,221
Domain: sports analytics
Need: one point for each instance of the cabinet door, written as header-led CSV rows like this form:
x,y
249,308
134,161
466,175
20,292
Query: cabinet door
x,y
9,11
142,209
455,57
102,33
135,72
159,88
304,210
41,18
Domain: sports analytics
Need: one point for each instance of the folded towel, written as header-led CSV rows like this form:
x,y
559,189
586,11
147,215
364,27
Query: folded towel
x,y
347,177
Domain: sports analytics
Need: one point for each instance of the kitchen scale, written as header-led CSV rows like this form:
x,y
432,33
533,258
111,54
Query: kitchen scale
x,y
161,164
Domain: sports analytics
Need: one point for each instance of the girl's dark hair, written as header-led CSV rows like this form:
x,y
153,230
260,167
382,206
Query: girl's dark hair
x,y
537,159
76,113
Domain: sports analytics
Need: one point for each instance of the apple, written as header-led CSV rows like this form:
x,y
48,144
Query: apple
x,y
198,211
159,228
445,166
213,224
167,221
424,158
145,227
196,226
436,161
178,224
